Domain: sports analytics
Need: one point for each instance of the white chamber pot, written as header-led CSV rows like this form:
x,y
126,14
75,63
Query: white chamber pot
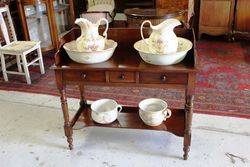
x,y
154,111
105,111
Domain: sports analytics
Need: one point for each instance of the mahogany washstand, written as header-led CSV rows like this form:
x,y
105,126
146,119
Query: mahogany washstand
x,y
126,68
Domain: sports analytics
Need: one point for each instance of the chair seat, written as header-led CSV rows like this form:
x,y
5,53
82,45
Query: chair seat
x,y
101,8
19,47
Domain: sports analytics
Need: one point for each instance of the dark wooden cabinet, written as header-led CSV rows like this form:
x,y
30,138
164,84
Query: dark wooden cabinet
x,y
219,17
180,4
216,17
242,16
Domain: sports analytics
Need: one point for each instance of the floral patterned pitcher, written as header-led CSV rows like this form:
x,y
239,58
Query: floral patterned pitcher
x,y
90,40
163,39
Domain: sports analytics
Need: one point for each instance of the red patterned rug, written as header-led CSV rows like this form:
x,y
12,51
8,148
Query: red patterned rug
x,y
222,87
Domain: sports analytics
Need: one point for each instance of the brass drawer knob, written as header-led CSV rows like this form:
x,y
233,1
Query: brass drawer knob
x,y
83,75
122,77
163,78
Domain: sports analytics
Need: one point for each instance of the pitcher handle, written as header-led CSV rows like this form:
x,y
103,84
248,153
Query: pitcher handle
x,y
107,27
146,21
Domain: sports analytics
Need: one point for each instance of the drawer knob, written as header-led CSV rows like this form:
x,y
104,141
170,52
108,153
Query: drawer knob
x,y
84,75
122,76
163,78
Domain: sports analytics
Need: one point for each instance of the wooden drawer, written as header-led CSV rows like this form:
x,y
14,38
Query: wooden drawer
x,y
122,77
93,76
173,78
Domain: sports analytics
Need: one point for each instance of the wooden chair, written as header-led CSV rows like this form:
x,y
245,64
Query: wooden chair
x,y
18,48
102,6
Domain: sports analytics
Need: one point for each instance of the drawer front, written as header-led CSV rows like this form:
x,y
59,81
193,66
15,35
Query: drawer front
x,y
84,76
122,77
159,78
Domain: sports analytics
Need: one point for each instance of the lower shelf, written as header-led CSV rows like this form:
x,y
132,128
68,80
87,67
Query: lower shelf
x,y
129,118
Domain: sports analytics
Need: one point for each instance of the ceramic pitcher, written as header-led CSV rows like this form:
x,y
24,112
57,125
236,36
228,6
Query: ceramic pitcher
x,y
90,40
162,39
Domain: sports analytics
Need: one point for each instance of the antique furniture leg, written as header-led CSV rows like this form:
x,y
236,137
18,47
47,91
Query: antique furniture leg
x,y
83,105
82,98
26,68
67,125
188,124
188,114
19,66
39,52
3,67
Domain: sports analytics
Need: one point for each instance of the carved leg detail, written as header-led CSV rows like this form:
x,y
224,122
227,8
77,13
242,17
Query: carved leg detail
x,y
68,133
67,126
187,135
186,148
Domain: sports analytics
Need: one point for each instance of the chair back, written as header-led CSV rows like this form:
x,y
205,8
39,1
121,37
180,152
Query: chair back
x,y
101,2
95,16
6,25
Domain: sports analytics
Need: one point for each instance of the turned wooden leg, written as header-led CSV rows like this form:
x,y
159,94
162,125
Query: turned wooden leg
x,y
188,124
67,125
82,98
83,104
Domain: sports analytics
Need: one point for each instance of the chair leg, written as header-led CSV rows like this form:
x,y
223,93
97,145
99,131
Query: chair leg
x,y
39,52
3,67
19,63
26,70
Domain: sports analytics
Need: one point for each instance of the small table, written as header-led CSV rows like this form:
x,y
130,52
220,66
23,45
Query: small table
x,y
135,16
126,68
